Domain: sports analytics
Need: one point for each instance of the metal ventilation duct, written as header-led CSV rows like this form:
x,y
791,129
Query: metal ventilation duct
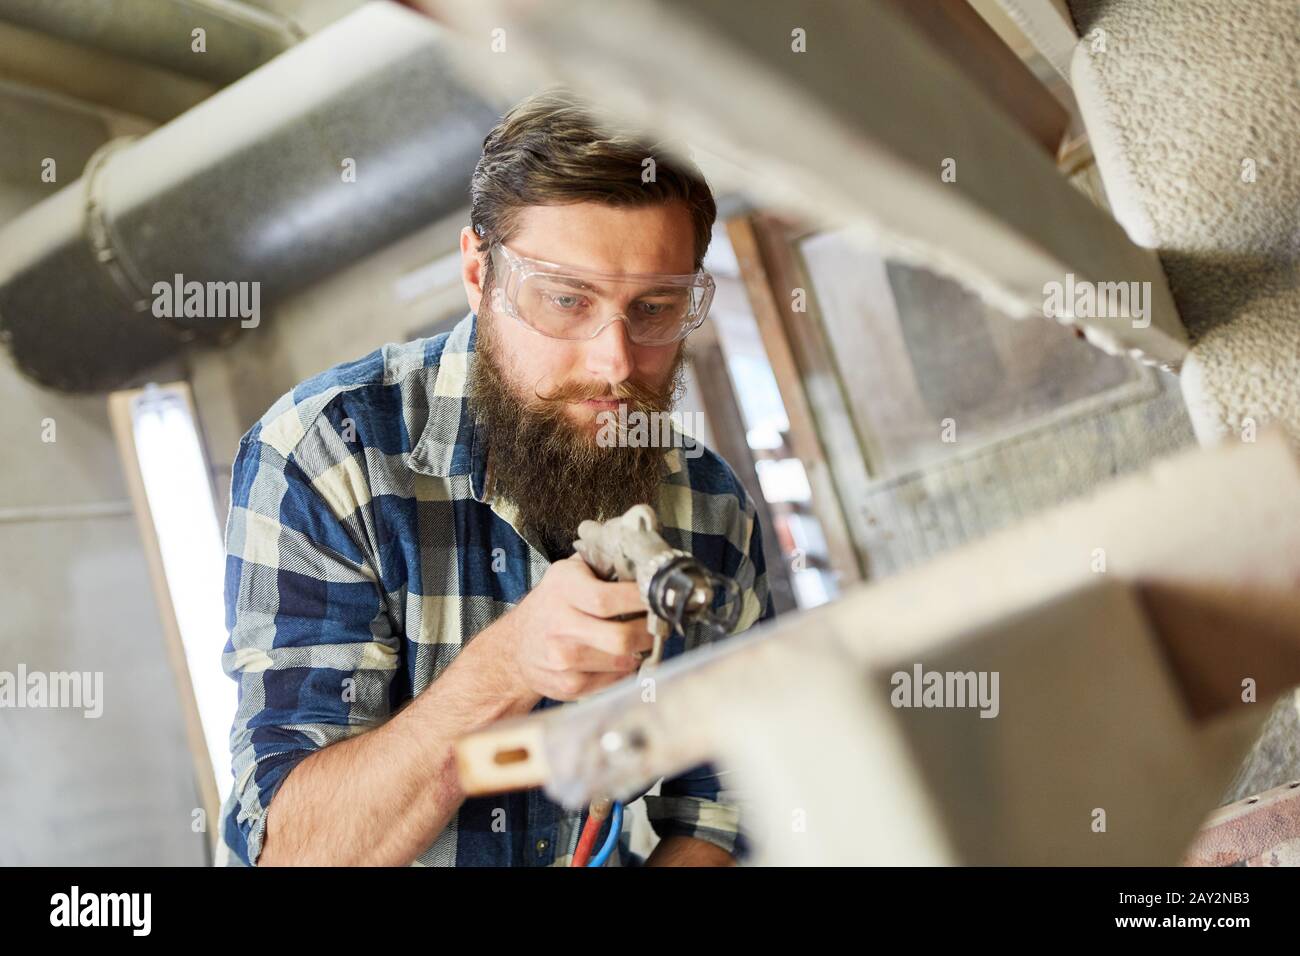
x,y
237,38
249,186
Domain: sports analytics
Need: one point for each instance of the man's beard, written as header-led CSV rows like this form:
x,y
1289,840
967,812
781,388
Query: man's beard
x,y
553,470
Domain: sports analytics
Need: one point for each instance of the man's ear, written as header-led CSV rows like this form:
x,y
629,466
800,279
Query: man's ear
x,y
471,268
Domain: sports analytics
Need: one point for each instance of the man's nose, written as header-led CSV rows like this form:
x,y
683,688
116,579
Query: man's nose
x,y
609,354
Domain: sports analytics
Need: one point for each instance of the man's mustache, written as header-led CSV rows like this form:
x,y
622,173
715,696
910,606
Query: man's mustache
x,y
634,393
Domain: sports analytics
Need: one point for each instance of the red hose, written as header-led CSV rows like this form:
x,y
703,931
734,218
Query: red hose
x,y
599,810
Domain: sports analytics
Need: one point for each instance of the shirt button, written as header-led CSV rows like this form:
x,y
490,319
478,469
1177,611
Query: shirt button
x,y
541,846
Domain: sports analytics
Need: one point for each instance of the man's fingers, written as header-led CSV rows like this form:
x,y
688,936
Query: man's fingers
x,y
574,685
598,598
601,681
608,598
613,637
593,596
574,655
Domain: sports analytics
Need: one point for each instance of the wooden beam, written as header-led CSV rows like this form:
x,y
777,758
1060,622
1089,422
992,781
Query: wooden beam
x,y
727,423
963,36
1099,690
767,300
1193,620
846,113
1046,24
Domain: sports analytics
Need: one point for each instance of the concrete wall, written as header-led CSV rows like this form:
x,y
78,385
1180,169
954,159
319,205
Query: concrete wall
x,y
117,789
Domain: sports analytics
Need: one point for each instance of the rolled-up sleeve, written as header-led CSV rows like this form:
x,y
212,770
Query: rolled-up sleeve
x,y
311,647
699,803
694,804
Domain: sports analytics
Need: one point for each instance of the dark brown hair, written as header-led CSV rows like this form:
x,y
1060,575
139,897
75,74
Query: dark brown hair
x,y
554,148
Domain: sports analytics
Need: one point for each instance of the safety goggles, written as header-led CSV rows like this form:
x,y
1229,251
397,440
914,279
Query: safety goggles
x,y
576,304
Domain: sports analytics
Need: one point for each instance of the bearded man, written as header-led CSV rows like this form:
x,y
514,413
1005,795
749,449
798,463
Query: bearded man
x,y
400,568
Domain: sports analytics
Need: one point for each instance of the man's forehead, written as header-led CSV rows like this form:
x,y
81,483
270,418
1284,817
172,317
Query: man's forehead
x,y
591,237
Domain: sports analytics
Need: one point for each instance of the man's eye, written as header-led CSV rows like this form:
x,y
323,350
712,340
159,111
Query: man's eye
x,y
654,309
566,302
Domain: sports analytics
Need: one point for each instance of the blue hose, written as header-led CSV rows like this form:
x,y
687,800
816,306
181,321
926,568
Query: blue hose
x,y
611,841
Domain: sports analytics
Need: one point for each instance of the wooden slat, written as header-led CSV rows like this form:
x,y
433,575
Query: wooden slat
x,y
858,127
805,438
718,396
802,713
962,35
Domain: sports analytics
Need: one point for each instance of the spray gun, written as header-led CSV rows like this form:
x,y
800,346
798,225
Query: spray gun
x,y
677,590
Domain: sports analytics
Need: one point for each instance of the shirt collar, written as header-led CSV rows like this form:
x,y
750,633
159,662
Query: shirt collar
x,y
449,443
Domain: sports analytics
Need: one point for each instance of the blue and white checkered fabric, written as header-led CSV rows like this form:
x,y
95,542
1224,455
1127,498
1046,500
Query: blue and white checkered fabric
x,y
360,548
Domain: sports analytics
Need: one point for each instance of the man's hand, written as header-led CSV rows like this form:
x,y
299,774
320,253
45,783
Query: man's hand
x,y
560,638
688,851
383,796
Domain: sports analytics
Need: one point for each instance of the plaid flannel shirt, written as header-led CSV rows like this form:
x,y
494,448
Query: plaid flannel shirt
x,y
361,556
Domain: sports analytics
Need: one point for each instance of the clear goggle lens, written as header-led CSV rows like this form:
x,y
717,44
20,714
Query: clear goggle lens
x,y
565,303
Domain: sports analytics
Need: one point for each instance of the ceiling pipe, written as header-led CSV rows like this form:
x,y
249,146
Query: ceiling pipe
x,y
352,139
236,38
